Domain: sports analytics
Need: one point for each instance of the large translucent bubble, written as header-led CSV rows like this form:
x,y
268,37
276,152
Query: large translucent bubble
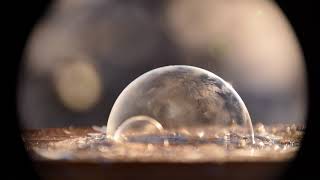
x,y
178,99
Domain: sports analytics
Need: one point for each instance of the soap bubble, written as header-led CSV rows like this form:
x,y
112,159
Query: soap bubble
x,y
137,125
178,97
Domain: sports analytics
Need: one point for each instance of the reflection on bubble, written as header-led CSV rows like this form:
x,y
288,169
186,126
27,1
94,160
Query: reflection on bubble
x,y
179,97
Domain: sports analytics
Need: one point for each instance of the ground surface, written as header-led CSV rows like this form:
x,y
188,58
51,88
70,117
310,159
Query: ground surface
x,y
272,143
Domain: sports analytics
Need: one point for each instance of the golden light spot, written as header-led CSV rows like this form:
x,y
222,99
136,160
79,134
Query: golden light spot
x,y
77,84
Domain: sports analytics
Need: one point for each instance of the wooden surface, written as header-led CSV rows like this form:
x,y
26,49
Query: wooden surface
x,y
67,169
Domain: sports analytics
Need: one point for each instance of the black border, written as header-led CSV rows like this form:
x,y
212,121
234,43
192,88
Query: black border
x,y
23,15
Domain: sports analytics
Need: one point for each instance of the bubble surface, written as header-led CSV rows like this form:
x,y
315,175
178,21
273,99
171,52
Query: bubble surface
x,y
180,97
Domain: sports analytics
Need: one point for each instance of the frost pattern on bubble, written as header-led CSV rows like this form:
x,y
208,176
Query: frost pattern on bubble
x,y
181,97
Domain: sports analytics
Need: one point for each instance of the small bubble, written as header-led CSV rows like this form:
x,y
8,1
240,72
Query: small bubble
x,y
293,127
139,128
261,144
200,134
260,128
275,147
242,143
82,143
288,130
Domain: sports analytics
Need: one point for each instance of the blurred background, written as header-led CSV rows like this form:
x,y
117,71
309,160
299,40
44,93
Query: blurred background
x,y
82,54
